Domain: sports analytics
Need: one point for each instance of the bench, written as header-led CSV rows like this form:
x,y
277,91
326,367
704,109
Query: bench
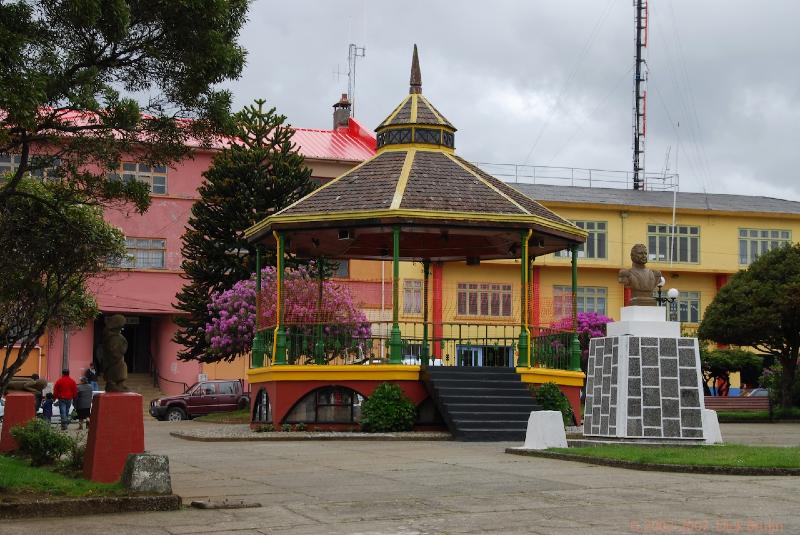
x,y
737,403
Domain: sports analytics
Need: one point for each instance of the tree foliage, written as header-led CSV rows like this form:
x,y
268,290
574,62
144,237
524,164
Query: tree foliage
x,y
720,363
760,307
232,313
70,70
259,174
47,260
590,325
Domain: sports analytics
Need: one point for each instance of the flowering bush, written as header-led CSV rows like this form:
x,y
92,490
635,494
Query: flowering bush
x,y
590,325
233,312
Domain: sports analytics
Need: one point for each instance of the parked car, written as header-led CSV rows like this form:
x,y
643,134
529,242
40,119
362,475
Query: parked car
x,y
201,398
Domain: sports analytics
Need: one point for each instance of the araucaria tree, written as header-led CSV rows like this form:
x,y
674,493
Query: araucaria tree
x,y
47,260
68,70
760,307
260,173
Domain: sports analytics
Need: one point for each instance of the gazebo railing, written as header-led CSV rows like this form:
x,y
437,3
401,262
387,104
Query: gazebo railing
x,y
447,344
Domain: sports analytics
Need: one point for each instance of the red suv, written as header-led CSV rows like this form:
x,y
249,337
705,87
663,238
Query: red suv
x,y
201,398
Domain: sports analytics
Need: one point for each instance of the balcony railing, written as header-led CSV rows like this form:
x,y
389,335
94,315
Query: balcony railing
x,y
449,344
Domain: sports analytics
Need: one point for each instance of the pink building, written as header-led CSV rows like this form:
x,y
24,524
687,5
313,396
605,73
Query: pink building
x,y
144,290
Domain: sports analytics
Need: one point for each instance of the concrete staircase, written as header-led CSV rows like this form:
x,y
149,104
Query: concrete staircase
x,y
481,404
142,383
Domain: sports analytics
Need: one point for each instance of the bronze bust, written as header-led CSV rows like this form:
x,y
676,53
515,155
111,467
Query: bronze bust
x,y
640,279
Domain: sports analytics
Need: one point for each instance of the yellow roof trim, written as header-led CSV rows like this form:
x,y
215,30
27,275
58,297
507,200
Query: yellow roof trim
x,y
396,111
414,104
433,111
402,182
488,184
425,214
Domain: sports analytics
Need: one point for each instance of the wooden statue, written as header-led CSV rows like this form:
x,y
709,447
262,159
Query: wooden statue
x,y
114,347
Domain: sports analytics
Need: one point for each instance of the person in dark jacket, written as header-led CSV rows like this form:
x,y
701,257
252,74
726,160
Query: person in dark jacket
x,y
47,407
83,401
91,376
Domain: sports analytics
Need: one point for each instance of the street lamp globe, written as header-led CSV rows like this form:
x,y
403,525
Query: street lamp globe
x,y
673,293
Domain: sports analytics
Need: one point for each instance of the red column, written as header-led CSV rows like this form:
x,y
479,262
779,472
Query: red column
x,y
627,297
19,411
721,280
438,272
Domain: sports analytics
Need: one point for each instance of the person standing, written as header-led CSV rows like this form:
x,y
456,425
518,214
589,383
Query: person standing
x,y
91,376
47,407
83,401
65,390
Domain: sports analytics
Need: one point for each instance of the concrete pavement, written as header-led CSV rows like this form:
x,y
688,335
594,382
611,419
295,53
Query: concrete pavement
x,y
441,487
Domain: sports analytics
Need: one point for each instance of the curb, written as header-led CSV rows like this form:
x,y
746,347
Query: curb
x,y
295,436
655,467
89,506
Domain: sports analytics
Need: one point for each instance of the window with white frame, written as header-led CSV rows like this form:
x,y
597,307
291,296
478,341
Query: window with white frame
x,y
41,166
484,299
412,296
686,307
145,253
755,242
683,245
154,175
589,299
596,241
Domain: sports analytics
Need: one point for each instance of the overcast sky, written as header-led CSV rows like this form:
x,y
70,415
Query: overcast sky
x,y
550,82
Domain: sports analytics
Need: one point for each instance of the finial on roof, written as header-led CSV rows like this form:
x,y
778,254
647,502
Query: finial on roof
x,y
416,75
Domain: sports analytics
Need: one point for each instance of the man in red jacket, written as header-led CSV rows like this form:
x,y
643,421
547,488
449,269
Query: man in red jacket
x,y
65,390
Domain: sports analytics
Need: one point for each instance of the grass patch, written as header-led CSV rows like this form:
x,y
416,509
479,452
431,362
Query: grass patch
x,y
18,477
721,455
778,414
234,417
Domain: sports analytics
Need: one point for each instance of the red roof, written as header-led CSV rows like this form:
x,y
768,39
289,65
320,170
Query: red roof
x,y
353,144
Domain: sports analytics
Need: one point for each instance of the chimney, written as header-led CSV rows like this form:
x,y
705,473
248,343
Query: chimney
x,y
341,113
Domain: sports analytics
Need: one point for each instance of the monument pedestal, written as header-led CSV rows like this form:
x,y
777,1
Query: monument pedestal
x,y
116,429
20,409
643,380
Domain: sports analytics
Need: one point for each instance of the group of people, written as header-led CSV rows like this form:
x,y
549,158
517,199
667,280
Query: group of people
x,y
66,392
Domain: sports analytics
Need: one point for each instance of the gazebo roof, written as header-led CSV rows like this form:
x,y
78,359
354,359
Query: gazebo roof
x,y
416,180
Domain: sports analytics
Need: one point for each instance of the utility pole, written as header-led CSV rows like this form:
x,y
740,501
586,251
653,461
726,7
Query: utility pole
x,y
640,94
353,53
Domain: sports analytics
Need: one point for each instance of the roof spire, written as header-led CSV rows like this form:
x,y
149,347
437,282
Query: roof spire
x,y
416,76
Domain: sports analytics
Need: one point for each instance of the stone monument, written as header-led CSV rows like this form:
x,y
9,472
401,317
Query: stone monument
x,y
643,377
115,345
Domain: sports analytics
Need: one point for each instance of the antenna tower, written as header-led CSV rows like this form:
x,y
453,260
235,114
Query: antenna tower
x,y
640,94
353,53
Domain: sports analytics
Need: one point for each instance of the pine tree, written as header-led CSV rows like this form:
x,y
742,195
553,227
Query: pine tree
x,y
259,174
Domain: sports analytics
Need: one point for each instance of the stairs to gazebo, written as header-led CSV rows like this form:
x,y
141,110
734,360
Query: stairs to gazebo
x,y
481,404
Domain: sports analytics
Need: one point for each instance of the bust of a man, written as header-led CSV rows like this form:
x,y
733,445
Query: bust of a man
x,y
640,279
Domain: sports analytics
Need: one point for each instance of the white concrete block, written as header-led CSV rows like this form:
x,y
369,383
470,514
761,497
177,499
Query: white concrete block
x,y
653,329
639,313
545,430
711,430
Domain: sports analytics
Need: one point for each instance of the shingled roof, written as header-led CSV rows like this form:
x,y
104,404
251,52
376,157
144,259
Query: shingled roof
x,y
415,178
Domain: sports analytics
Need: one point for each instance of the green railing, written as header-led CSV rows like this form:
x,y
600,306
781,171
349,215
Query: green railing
x,y
449,344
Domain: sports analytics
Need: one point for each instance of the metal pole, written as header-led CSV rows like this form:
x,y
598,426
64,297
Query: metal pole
x,y
259,344
279,342
395,341
524,331
575,346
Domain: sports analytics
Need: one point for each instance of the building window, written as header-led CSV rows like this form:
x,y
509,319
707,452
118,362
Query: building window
x,y
484,299
412,296
688,307
684,244
342,270
41,166
589,298
329,405
154,175
427,135
394,136
145,253
755,242
595,245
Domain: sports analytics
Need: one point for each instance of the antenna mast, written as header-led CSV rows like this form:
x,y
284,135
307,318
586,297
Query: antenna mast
x,y
353,53
640,94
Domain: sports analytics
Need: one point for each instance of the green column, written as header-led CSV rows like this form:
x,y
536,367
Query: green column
x,y
259,344
395,340
319,344
575,345
524,340
425,352
280,331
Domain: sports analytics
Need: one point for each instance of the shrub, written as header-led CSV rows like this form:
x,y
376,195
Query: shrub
x,y
300,427
286,428
551,398
387,410
264,428
73,462
41,442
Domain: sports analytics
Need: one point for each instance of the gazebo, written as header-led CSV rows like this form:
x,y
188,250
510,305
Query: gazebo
x,y
415,200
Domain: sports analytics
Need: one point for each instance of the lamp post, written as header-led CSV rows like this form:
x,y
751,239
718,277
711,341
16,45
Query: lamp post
x,y
672,296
